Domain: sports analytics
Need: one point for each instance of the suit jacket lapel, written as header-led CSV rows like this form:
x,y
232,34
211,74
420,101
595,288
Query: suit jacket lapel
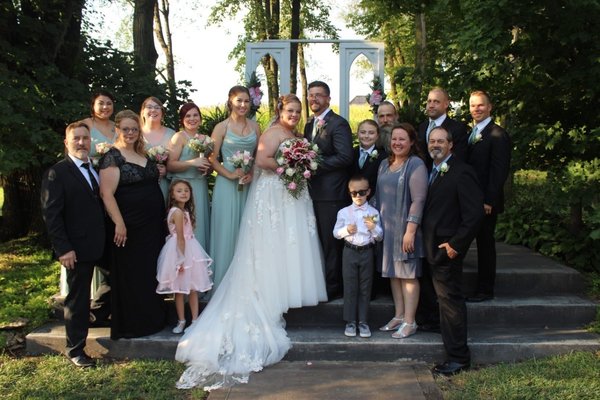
x,y
79,176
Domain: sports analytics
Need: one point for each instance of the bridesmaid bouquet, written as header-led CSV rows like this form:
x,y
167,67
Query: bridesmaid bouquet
x,y
243,160
201,144
298,159
159,154
101,148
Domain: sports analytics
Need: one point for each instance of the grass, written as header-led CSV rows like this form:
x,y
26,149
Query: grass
x,y
572,376
28,277
53,377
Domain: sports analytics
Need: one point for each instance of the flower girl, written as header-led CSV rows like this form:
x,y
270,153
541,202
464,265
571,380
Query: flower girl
x,y
182,263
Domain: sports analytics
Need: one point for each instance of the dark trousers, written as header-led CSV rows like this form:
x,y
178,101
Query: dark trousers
x,y
326,214
77,307
428,312
357,270
486,255
447,281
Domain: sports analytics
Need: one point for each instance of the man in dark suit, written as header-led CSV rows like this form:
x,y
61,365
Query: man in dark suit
x,y
329,187
74,217
489,155
452,215
438,102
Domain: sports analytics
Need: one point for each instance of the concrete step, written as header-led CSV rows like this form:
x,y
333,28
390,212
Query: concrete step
x,y
538,311
521,271
310,343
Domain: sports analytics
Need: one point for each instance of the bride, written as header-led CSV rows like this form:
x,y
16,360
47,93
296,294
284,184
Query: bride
x,y
277,265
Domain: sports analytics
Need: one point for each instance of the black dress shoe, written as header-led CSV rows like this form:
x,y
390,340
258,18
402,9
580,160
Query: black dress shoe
x,y
450,368
479,297
83,361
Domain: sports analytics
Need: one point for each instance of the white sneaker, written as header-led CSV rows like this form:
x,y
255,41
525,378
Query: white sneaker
x,y
179,327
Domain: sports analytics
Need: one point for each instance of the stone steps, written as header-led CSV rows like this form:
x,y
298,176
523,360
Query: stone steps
x,y
488,345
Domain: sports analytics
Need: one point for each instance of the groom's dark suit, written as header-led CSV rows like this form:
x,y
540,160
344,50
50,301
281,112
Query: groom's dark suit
x,y
74,217
453,212
329,191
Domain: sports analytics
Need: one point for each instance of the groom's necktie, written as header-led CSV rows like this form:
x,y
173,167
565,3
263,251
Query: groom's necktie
x,y
314,128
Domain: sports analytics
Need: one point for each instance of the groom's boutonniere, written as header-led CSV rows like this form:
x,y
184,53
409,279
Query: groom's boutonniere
x,y
321,124
444,168
373,156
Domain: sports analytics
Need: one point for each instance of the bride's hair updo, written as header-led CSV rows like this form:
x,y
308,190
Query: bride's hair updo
x,y
283,101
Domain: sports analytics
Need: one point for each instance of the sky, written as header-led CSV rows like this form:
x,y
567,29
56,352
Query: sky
x,y
201,51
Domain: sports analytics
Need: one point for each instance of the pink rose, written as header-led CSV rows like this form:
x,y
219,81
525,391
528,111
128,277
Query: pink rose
x,y
279,170
292,186
306,174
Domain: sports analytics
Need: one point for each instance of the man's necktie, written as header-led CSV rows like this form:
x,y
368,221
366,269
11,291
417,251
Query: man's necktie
x,y
314,127
93,181
363,157
473,135
429,128
433,175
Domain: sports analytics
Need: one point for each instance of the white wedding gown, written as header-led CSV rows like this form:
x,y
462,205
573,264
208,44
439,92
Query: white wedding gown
x,y
277,265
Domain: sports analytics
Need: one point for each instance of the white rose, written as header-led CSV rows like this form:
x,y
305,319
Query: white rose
x,y
313,165
290,171
280,161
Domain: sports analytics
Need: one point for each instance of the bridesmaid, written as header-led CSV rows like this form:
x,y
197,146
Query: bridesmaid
x,y
102,129
184,163
236,133
156,134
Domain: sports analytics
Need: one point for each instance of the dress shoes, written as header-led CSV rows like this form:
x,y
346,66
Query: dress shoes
x,y
479,297
450,368
83,361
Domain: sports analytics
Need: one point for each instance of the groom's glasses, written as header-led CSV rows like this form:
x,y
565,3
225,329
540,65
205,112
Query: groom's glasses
x,y
359,193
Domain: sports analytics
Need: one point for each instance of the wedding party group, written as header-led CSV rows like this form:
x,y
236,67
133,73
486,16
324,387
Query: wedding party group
x,y
294,219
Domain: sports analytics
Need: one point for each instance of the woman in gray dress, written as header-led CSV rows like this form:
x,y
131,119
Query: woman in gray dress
x,y
400,198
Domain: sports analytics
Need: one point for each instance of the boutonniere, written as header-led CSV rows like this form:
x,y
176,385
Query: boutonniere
x,y
321,124
373,156
444,168
477,138
373,218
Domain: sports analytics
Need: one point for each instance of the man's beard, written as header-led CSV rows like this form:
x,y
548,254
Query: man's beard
x,y
436,154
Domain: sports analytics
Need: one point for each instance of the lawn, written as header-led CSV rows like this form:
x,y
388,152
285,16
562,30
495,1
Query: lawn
x,y
29,277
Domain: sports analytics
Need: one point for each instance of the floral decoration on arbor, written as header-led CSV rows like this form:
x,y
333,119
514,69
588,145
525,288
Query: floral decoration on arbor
x,y
256,94
377,95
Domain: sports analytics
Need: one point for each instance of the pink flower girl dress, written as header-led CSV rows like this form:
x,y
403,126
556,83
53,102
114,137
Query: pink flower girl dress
x,y
180,273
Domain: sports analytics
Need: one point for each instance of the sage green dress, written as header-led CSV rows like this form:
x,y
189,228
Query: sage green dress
x,y
227,206
164,182
199,186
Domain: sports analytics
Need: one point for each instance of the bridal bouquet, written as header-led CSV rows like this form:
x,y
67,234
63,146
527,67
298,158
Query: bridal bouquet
x,y
201,144
159,154
243,160
297,160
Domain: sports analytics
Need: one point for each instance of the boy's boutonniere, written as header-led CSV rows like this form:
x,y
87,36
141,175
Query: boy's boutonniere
x,y
444,168
373,156
373,218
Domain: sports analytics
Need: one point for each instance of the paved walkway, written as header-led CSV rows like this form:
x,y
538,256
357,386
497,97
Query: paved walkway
x,y
332,380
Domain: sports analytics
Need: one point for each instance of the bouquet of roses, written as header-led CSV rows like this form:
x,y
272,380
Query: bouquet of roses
x,y
159,154
101,148
243,160
297,160
201,144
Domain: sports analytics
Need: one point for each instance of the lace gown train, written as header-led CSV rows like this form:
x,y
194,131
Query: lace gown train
x,y
277,265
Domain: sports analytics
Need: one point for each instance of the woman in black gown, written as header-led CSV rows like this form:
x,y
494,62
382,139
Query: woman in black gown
x,y
133,200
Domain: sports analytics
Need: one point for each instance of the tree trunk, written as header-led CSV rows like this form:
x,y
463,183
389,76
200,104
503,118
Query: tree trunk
x,y
295,34
21,211
303,82
143,35
576,217
162,30
70,47
272,15
421,57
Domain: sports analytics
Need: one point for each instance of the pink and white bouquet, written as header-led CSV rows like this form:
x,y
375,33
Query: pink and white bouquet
x,y
243,160
298,159
101,148
201,144
159,154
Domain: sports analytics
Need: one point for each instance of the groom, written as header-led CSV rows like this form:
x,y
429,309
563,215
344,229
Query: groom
x,y
329,187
